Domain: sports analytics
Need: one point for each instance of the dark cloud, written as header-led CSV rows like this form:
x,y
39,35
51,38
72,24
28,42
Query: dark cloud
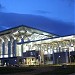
x,y
1,7
69,2
42,12
9,20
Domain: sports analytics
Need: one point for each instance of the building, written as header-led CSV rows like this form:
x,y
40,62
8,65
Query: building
x,y
30,46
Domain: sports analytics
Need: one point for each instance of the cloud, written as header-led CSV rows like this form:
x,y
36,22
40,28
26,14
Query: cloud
x,y
9,20
1,6
42,12
4,27
69,2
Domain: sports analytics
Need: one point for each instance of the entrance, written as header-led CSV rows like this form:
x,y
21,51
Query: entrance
x,y
72,58
31,61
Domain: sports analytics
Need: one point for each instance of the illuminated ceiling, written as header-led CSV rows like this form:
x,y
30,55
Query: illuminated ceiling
x,y
26,33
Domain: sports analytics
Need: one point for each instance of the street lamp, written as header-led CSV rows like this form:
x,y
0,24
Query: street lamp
x,y
59,56
58,60
39,59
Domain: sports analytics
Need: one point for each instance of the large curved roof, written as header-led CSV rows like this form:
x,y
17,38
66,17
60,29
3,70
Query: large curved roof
x,y
26,33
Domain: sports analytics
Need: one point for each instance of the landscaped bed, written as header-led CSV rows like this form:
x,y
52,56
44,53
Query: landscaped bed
x,y
9,70
62,70
52,70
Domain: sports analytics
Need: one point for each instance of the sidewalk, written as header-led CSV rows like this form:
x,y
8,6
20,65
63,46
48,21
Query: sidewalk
x,y
72,74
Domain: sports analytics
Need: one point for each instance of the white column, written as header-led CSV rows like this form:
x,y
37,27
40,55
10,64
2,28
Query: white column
x,y
1,49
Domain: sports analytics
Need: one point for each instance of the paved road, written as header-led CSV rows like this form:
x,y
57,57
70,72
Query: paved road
x,y
72,74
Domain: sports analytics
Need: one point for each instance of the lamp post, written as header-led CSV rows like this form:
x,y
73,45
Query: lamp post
x,y
58,60
70,58
39,59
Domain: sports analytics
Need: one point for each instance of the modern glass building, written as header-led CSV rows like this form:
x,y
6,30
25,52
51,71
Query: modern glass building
x,y
29,46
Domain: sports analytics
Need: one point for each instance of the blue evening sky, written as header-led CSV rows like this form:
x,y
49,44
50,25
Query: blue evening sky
x,y
54,16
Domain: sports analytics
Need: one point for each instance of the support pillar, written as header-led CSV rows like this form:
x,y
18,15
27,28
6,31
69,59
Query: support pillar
x,y
14,48
9,48
22,50
53,58
3,49
66,56
22,41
